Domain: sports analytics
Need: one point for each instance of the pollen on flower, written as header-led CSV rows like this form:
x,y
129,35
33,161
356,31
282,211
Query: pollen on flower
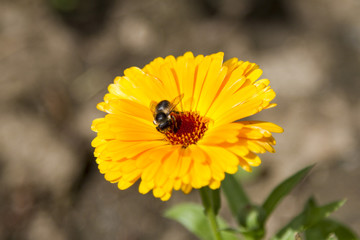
x,y
190,128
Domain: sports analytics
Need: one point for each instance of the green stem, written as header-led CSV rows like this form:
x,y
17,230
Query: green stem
x,y
210,213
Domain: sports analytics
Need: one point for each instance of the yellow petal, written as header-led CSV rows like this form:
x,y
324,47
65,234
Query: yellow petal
x,y
145,187
187,67
263,125
222,133
160,178
166,196
151,170
214,184
152,155
202,170
144,82
200,79
252,159
171,160
96,124
113,176
158,192
244,165
123,184
254,75
186,188
130,108
97,142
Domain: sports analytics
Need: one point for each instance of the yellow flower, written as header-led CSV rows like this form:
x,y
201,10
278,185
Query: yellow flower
x,y
192,139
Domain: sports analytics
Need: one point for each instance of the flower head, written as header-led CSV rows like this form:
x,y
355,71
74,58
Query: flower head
x,y
175,124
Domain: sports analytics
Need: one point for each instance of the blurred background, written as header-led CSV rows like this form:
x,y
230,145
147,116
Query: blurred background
x,y
57,58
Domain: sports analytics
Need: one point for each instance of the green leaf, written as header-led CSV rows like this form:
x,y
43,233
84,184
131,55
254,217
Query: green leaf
x,y
282,190
192,217
289,234
236,196
229,235
255,218
309,217
332,237
331,230
315,214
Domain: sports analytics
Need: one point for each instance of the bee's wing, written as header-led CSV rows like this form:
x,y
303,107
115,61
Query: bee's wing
x,y
153,105
175,102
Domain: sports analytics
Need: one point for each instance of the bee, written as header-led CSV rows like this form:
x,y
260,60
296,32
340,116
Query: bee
x,y
164,114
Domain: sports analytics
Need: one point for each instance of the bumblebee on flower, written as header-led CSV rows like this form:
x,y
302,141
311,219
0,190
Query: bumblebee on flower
x,y
165,116
176,123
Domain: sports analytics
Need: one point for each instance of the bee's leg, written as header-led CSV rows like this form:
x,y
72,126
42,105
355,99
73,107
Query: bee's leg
x,y
176,124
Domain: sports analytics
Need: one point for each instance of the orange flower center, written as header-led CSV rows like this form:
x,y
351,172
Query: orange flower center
x,y
189,127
